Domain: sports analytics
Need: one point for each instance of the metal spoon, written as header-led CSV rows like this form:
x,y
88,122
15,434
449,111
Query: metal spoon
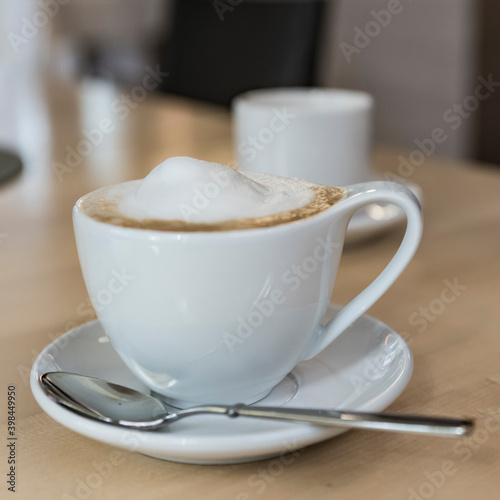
x,y
121,406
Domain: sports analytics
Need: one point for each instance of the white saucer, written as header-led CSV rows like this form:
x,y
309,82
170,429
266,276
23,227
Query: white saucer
x,y
378,218
366,369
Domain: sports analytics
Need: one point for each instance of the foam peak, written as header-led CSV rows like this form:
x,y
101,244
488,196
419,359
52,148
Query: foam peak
x,y
192,190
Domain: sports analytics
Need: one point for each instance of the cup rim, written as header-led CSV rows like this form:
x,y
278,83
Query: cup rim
x,y
306,100
226,234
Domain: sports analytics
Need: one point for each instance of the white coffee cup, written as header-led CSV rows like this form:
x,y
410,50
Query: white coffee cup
x,y
223,316
321,135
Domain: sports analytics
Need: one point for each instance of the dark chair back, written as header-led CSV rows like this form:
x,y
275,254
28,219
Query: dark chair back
x,y
220,48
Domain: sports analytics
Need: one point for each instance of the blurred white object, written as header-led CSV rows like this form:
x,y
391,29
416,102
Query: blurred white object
x,y
320,135
24,48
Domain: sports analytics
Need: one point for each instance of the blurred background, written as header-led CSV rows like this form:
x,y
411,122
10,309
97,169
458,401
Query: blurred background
x,y
428,63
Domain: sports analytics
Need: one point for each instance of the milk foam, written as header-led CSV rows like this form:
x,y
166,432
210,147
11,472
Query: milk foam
x,y
191,190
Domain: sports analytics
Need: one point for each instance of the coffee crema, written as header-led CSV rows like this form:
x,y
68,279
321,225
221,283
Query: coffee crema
x,y
97,206
185,195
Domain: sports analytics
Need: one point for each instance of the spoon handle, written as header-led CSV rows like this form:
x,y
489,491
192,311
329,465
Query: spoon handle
x,y
437,426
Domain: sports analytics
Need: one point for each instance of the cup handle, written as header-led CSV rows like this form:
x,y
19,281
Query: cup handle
x,y
359,195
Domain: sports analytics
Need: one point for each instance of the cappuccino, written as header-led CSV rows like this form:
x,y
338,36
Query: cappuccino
x,y
194,293
186,195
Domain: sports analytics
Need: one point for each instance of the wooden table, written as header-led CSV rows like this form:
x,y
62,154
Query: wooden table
x,y
456,345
